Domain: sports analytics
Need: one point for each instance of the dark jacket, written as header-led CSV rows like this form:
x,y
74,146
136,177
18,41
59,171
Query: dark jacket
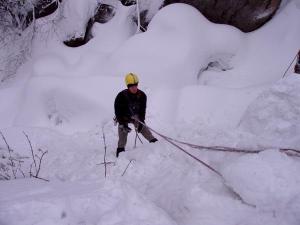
x,y
128,105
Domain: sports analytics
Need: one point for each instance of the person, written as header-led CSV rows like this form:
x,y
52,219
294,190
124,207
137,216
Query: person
x,y
130,107
297,66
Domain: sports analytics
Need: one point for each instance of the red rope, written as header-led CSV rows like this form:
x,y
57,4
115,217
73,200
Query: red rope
x,y
170,140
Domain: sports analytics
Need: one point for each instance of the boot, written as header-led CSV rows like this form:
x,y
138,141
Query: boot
x,y
153,140
119,150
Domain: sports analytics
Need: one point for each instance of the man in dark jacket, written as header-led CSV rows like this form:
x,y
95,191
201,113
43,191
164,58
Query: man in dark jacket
x,y
130,107
297,66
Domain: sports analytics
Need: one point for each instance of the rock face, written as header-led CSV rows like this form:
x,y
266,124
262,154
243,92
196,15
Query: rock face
x,y
247,15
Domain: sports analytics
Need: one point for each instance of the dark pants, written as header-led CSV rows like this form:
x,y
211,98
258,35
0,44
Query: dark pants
x,y
123,135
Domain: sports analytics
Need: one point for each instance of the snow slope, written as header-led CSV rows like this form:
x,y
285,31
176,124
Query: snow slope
x,y
63,98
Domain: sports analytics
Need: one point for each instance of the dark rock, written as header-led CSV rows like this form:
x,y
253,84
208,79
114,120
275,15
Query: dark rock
x,y
75,42
247,15
103,14
297,65
128,2
44,8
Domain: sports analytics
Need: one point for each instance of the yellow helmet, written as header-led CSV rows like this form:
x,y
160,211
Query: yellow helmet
x,y
131,79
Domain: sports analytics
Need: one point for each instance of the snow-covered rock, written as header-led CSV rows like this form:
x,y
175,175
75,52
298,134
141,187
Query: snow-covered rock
x,y
274,114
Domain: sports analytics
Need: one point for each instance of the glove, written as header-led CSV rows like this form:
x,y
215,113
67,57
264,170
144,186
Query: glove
x,y
125,128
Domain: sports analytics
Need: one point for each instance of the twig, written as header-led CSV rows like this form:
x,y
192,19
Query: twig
x,y
107,163
40,160
289,66
127,167
41,178
10,157
32,154
292,155
105,148
21,171
36,166
4,177
137,136
30,171
289,149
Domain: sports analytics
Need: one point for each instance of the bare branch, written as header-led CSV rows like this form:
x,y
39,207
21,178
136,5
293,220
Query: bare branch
x,y
105,148
32,154
19,168
107,163
132,160
12,165
4,177
30,171
41,178
40,161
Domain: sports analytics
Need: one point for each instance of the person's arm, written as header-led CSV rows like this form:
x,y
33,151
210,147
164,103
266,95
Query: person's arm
x,y
120,109
143,107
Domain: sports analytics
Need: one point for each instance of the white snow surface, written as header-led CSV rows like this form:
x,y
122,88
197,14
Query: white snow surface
x,y
206,84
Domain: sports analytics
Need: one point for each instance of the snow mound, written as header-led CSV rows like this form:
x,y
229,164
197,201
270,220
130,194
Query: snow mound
x,y
179,31
270,180
214,106
67,104
105,203
275,113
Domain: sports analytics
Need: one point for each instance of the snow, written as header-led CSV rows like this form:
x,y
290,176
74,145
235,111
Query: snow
x,y
206,84
266,184
275,113
76,14
108,203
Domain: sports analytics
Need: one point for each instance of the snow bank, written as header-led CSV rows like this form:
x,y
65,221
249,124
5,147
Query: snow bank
x,y
270,180
187,37
105,203
274,115
211,106
76,14
67,105
181,186
110,36
71,90
181,32
264,55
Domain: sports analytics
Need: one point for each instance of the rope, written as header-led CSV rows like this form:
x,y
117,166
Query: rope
x,y
222,148
170,140
219,148
290,65
137,136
